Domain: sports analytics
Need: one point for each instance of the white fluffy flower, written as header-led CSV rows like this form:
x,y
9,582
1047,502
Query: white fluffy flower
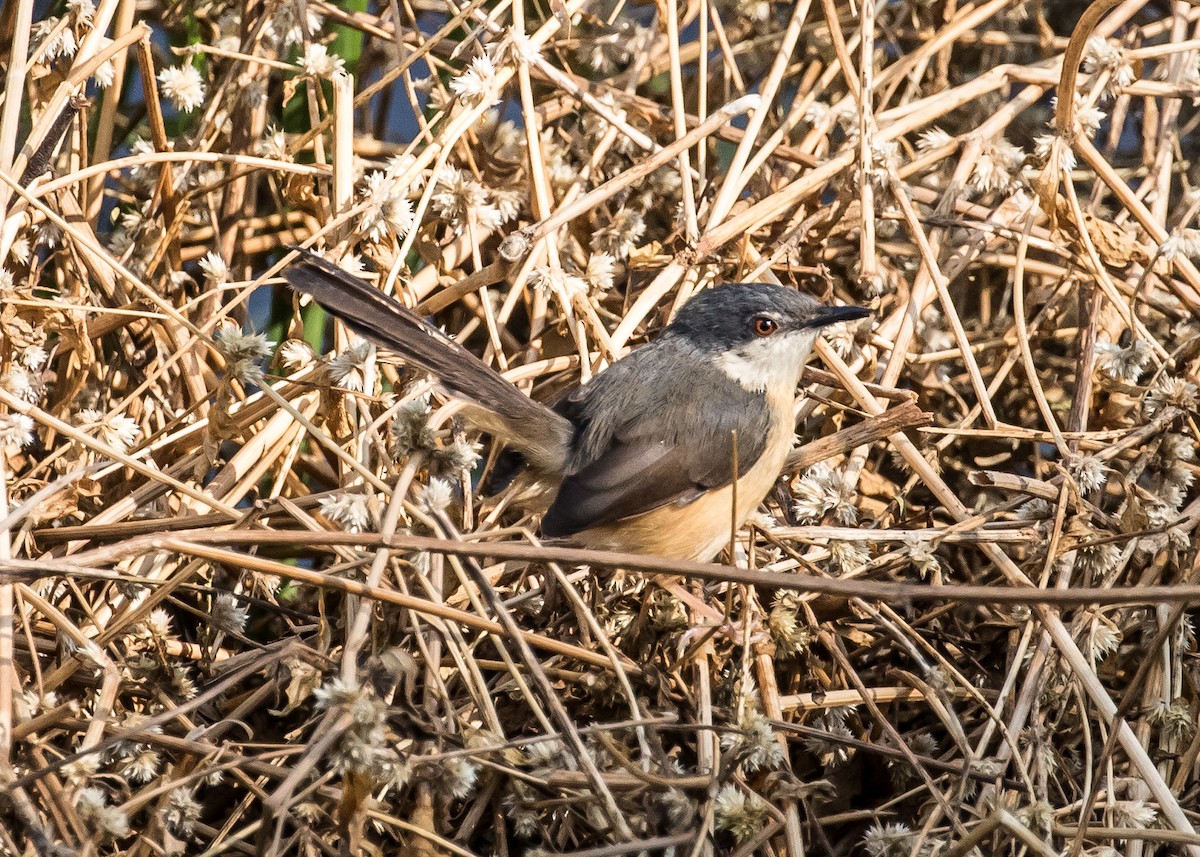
x,y
566,288
1135,814
459,199
1044,147
478,82
1170,390
351,511
116,430
600,270
1181,242
1123,364
1104,56
183,85
319,62
21,383
349,369
16,430
295,354
932,138
997,166
1089,472
737,812
273,144
57,44
436,496
284,26
821,490
388,209
216,269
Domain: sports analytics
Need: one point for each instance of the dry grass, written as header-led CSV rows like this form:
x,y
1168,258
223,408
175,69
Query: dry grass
x,y
248,613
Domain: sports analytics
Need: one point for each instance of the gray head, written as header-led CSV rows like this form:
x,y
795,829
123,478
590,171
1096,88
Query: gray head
x,y
759,334
726,317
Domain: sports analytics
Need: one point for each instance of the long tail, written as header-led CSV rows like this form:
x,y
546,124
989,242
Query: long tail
x,y
542,434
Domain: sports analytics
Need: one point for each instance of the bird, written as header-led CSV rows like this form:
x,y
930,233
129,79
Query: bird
x,y
642,459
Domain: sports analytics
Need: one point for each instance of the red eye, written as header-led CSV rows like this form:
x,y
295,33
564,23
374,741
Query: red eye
x,y
765,325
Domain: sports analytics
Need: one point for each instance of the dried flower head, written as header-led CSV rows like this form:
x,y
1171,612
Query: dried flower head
x,y
296,354
319,62
479,83
1102,55
455,777
890,840
848,556
783,622
227,613
932,138
388,211
23,384
16,430
114,429
216,269
600,271
1038,815
1176,447
997,167
242,352
1181,242
181,812
1174,719
459,456
1095,562
738,813
1036,509
1170,390
410,428
142,766
54,38
1089,473
437,495
754,746
349,369
821,490
1102,635
286,29
621,235
921,553
460,200
94,810
273,145
350,511
566,288
1123,364
517,47
1134,814
183,85
363,747
1046,146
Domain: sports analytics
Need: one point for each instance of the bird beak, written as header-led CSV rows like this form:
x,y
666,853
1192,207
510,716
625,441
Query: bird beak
x,y
828,315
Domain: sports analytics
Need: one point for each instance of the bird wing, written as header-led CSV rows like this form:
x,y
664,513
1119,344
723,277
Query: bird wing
x,y
666,445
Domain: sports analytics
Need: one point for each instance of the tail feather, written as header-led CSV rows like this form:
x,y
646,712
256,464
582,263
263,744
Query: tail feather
x,y
541,433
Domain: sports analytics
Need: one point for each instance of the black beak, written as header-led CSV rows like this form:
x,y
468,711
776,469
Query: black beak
x,y
828,315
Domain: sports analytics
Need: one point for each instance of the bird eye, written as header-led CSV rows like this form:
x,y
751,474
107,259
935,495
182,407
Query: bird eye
x,y
765,325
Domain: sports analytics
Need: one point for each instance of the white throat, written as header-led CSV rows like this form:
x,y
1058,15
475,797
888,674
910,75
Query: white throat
x,y
769,365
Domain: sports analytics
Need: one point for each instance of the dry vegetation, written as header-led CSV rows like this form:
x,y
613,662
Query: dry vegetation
x,y
246,606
